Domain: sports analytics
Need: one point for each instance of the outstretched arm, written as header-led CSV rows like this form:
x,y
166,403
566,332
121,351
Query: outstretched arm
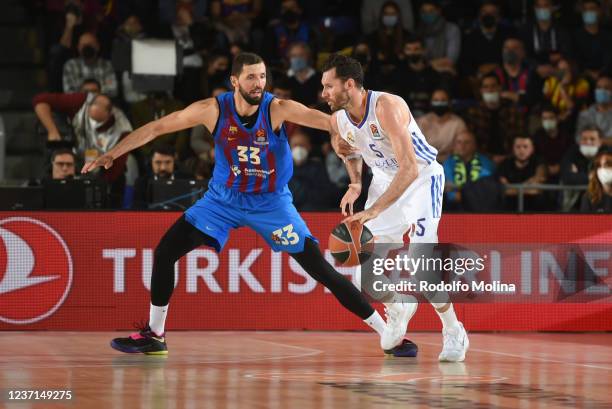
x,y
394,118
199,112
288,110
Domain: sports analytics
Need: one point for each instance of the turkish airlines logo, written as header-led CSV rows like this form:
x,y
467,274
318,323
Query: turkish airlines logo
x,y
37,270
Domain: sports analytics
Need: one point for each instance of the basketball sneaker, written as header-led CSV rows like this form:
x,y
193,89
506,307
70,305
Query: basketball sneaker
x,y
144,341
406,348
398,315
456,344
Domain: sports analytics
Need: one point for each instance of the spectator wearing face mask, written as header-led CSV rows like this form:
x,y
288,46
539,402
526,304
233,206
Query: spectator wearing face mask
x,y
577,161
481,47
98,126
370,14
591,41
543,36
552,139
519,83
388,40
598,197
310,185
289,29
303,79
89,65
600,113
525,167
441,126
567,92
363,53
495,121
416,79
442,38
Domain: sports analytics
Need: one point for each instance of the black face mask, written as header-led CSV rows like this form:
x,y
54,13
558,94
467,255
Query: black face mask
x,y
488,21
414,58
89,52
440,109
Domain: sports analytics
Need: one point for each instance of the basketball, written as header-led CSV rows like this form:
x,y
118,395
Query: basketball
x,y
351,244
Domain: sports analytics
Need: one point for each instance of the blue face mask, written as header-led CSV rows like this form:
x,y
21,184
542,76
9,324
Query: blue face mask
x,y
603,96
429,18
389,21
298,64
543,14
589,17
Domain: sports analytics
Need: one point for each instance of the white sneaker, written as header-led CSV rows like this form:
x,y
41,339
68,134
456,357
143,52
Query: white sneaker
x,y
398,315
456,344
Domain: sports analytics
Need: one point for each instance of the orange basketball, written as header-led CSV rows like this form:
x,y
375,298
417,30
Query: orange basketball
x,y
351,245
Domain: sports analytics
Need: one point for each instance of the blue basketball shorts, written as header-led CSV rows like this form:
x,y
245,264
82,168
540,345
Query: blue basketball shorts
x,y
271,215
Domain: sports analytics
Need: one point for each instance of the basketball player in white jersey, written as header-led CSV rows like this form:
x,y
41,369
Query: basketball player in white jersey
x,y
406,188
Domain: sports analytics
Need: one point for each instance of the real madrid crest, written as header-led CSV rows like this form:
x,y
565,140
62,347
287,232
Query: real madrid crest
x,y
350,137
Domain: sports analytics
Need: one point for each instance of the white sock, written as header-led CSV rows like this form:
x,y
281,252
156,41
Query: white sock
x,y
376,322
157,318
448,317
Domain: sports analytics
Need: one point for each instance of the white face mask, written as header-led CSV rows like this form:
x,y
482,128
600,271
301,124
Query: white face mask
x,y
299,154
604,175
490,97
589,151
549,124
94,124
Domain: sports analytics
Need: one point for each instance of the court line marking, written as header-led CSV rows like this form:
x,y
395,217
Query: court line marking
x,y
607,368
310,352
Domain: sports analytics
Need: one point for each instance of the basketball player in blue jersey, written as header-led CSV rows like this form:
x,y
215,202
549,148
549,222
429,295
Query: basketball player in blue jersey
x,y
253,164
405,195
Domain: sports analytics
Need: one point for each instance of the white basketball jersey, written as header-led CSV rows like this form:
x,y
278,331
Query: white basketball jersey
x,y
374,144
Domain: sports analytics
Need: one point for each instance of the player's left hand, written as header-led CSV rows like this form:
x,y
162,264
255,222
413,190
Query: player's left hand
x,y
362,216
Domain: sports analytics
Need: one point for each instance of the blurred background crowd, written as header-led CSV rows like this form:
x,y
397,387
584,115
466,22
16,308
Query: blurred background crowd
x,y
509,91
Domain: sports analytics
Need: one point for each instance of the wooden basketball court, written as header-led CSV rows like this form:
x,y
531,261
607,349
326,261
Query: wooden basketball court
x,y
309,370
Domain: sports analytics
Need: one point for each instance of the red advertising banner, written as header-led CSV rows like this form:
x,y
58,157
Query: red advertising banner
x,y
91,271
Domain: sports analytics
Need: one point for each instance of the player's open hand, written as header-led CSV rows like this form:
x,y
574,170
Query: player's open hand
x,y
363,216
105,161
349,198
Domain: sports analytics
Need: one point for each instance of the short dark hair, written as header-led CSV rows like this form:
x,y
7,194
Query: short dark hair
x,y
92,81
163,149
523,136
243,59
548,107
592,128
62,151
346,67
490,75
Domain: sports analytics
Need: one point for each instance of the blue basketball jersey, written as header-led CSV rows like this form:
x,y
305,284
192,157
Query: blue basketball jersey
x,y
254,160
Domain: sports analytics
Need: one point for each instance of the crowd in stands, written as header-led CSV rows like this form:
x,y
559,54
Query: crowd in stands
x,y
509,92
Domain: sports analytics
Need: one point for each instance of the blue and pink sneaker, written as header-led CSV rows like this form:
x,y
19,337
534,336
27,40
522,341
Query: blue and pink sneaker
x,y
144,341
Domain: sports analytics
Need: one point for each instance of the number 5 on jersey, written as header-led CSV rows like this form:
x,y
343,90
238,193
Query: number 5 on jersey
x,y
249,154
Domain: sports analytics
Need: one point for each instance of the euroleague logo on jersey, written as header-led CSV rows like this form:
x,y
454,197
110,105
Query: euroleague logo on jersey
x,y
35,268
